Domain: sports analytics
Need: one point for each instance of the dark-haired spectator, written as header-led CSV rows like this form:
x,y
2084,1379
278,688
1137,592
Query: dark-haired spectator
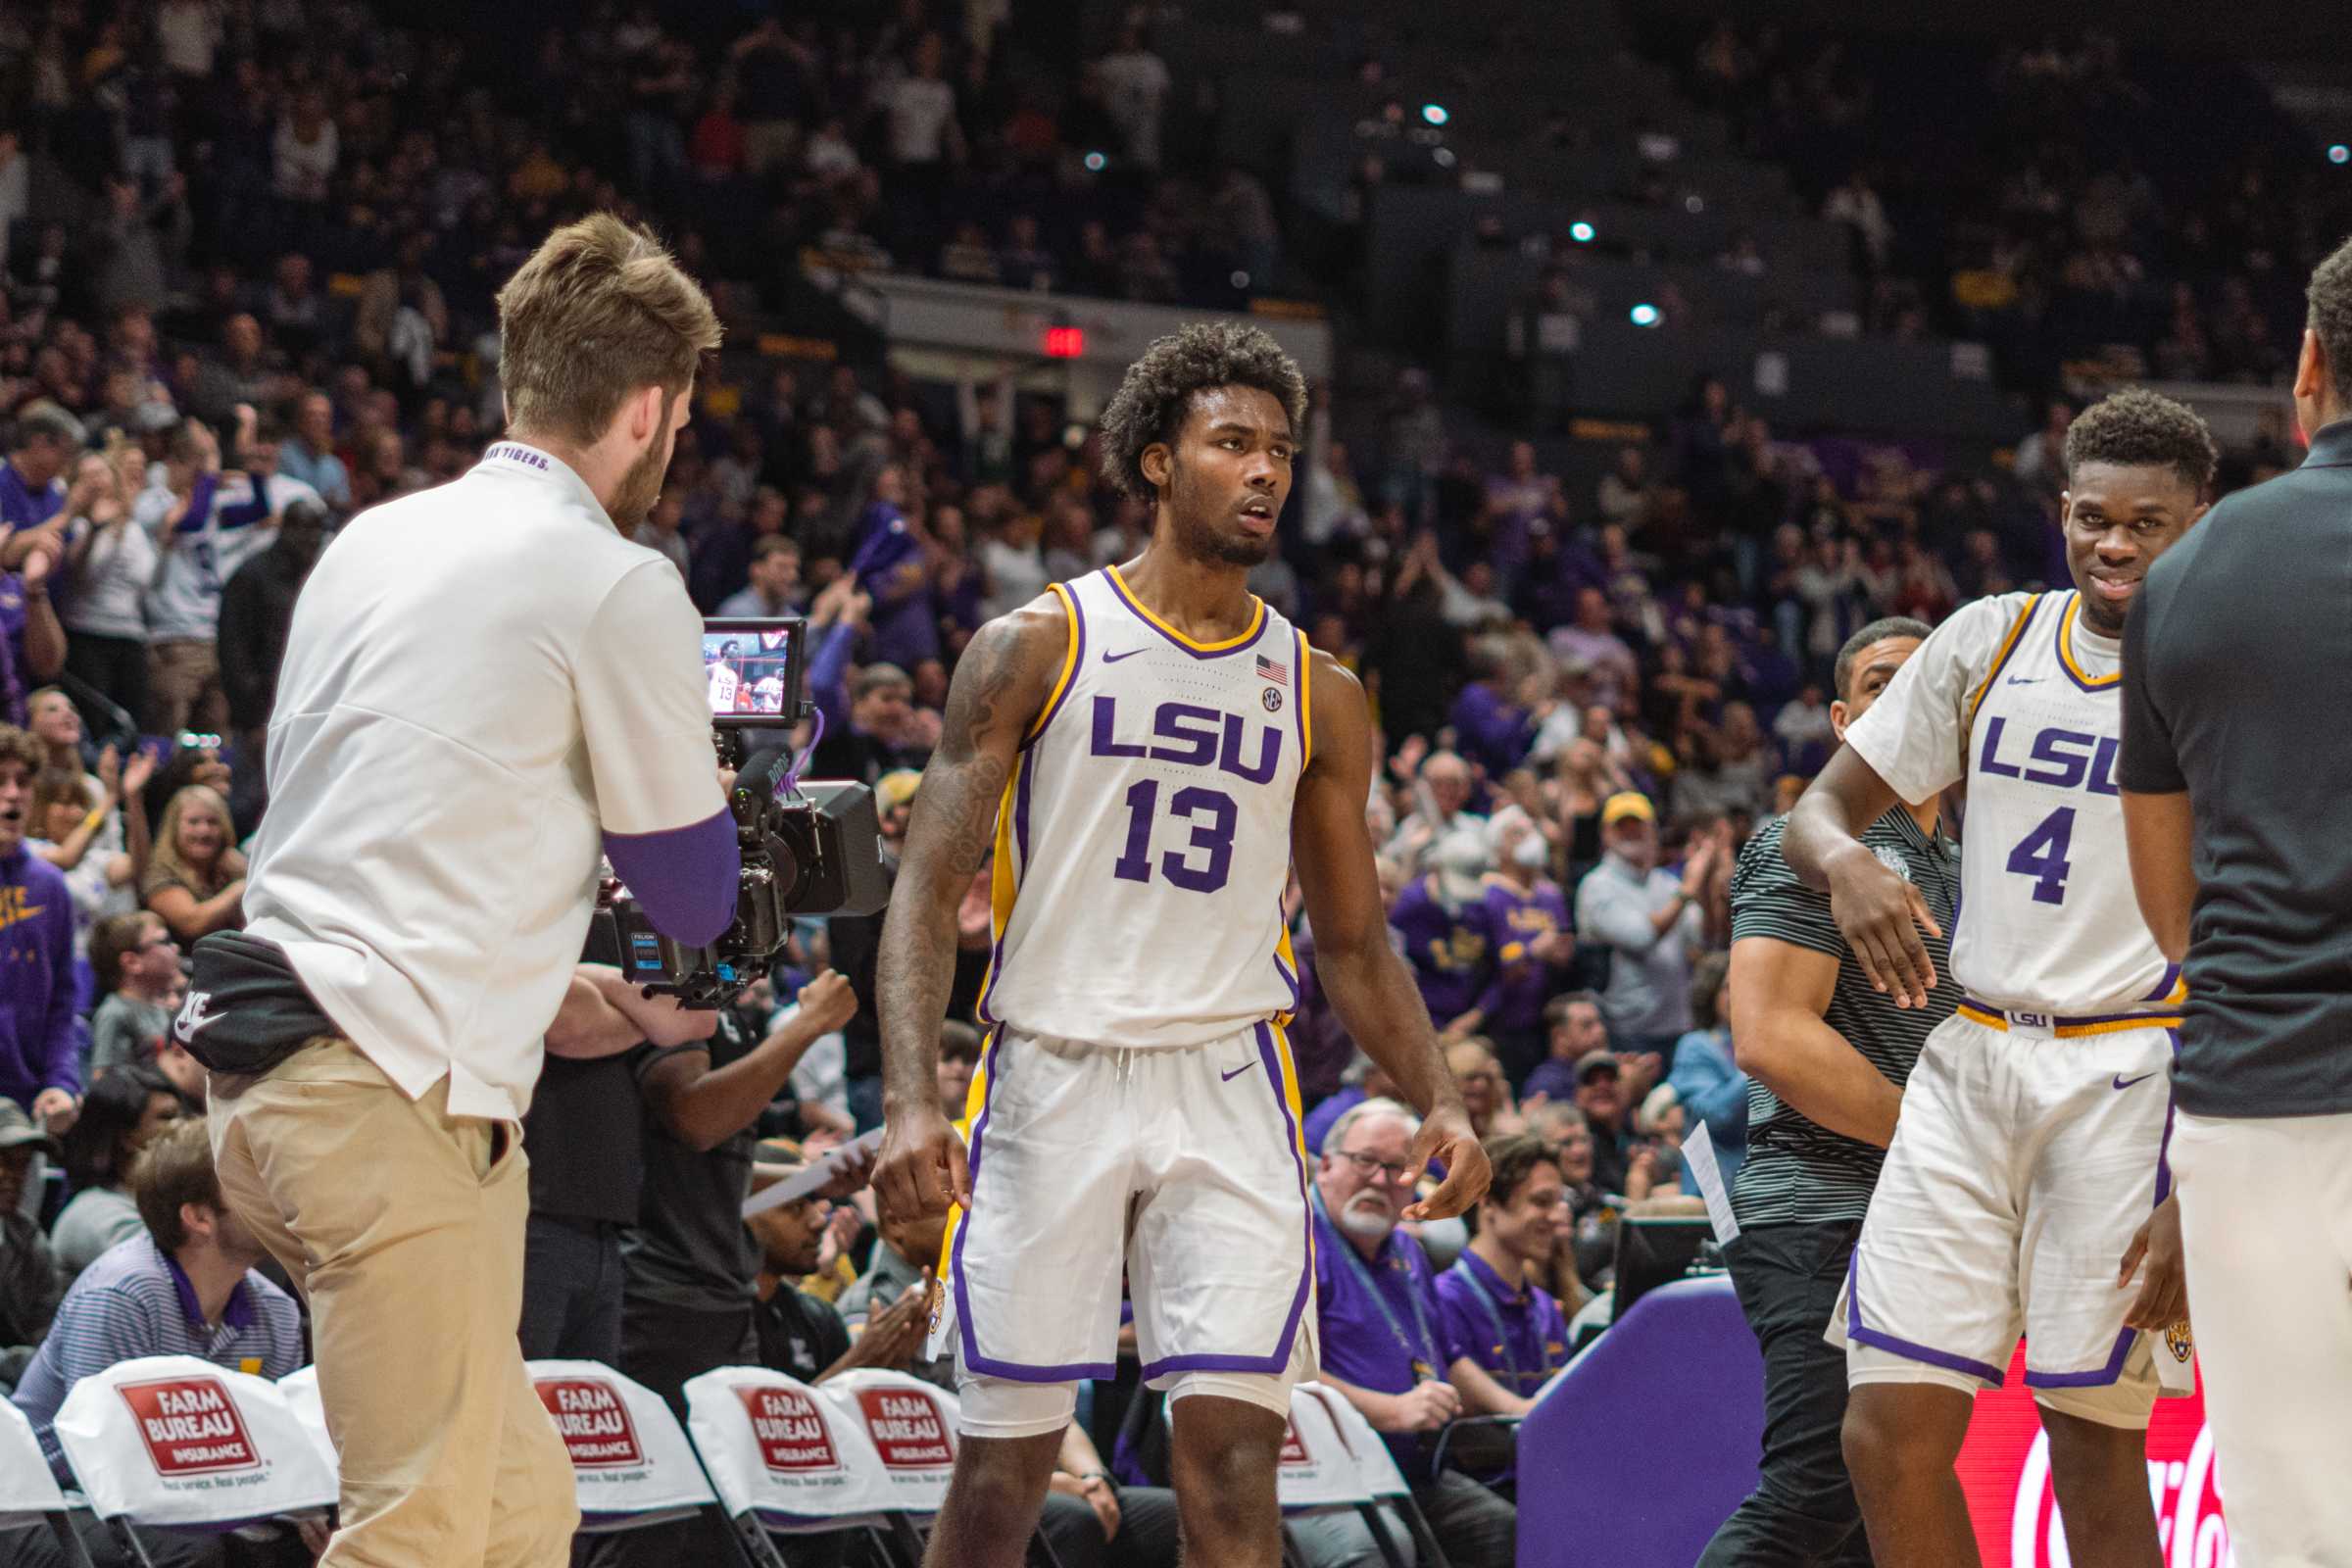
x,y
136,965
121,1114
196,876
1504,1321
29,1285
185,1286
69,832
1574,1029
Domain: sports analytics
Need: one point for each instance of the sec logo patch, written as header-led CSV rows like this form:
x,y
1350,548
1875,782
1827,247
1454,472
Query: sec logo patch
x,y
1272,699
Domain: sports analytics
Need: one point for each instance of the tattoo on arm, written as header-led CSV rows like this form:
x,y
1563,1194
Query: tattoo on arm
x,y
1000,687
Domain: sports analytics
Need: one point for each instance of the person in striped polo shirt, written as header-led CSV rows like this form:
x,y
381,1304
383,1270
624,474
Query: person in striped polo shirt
x,y
1826,1058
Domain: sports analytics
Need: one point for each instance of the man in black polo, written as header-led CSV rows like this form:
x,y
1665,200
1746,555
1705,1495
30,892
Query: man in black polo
x,y
2238,683
1826,1058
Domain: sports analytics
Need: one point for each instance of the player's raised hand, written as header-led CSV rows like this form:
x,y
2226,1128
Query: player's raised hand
x,y
2163,1299
1880,914
921,1168
1447,1137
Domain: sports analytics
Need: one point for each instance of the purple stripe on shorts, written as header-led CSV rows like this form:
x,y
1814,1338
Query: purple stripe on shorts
x,y
1281,1358
1856,1332
2164,987
1013,1371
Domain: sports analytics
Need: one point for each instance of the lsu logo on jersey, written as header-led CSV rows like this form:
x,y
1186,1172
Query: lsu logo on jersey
x,y
2060,757
2178,1341
1192,735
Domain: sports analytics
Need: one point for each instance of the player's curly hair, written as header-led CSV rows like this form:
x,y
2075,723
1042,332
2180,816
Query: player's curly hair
x,y
2137,427
1158,392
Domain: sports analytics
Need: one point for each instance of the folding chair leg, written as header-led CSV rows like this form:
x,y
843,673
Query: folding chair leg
x,y
68,1540
906,1540
1291,1558
1378,1523
753,1547
130,1537
1433,1555
1041,1551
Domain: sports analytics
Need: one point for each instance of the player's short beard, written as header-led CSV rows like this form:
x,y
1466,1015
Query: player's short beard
x,y
1203,541
639,487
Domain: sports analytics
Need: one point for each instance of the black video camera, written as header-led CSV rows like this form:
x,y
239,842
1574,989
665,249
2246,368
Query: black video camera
x,y
809,848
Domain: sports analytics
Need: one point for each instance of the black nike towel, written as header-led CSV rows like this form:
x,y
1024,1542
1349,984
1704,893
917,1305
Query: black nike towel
x,y
246,1009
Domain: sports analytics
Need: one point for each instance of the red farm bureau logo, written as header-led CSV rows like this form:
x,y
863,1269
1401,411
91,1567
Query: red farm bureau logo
x,y
906,1428
792,1436
190,1426
1294,1447
594,1421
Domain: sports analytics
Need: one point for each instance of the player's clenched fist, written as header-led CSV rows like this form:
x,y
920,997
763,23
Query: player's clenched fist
x,y
921,1168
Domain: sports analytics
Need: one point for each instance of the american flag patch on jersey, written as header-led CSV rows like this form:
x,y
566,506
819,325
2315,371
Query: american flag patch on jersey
x,y
1267,670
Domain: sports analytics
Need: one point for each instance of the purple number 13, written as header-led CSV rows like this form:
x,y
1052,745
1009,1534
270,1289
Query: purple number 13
x,y
1213,836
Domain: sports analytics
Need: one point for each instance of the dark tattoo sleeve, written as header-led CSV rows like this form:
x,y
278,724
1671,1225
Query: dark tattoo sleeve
x,y
1000,686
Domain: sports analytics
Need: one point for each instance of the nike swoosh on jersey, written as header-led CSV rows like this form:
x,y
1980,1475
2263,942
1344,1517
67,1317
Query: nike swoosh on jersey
x,y
2023,680
2122,1082
1237,1073
1109,658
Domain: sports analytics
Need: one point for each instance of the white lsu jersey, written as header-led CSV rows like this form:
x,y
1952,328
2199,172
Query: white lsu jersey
x,y
1144,839
2018,697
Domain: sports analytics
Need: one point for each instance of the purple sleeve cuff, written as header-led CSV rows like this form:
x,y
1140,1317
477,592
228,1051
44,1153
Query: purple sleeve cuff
x,y
200,503
684,876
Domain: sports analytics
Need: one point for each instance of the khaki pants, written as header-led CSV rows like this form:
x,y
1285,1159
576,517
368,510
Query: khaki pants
x,y
183,686
404,1226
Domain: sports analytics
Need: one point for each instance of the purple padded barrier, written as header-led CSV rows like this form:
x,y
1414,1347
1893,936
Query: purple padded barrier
x,y
1648,1441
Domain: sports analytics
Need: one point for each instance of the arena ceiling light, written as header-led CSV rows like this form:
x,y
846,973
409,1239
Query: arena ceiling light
x,y
1434,114
1580,233
2339,154
1644,315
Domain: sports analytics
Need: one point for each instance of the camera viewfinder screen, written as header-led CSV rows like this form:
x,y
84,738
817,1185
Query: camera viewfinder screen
x,y
748,670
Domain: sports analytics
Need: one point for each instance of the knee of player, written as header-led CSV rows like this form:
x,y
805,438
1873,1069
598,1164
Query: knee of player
x,y
1883,1444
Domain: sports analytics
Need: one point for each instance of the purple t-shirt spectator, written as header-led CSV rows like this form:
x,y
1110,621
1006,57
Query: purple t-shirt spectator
x,y
1553,1079
22,505
1513,1330
888,563
1491,731
1382,1326
37,1045
1519,981
1448,947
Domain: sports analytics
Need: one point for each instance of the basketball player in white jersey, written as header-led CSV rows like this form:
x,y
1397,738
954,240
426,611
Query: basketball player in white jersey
x,y
1147,749
2026,1180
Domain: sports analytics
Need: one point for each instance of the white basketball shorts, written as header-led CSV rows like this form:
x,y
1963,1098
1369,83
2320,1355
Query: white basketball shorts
x,y
1174,1176
2029,1150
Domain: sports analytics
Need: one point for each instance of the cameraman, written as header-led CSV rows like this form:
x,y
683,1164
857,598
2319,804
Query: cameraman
x,y
484,685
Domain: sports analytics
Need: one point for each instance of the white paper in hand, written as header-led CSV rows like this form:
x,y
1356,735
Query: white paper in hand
x,y
814,1175
1698,1153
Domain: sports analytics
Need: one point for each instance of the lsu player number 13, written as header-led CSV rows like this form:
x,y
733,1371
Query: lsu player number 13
x,y
1138,758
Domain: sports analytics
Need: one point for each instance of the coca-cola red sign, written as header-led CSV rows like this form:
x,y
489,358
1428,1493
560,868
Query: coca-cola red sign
x,y
595,1422
2005,1469
190,1426
791,1433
